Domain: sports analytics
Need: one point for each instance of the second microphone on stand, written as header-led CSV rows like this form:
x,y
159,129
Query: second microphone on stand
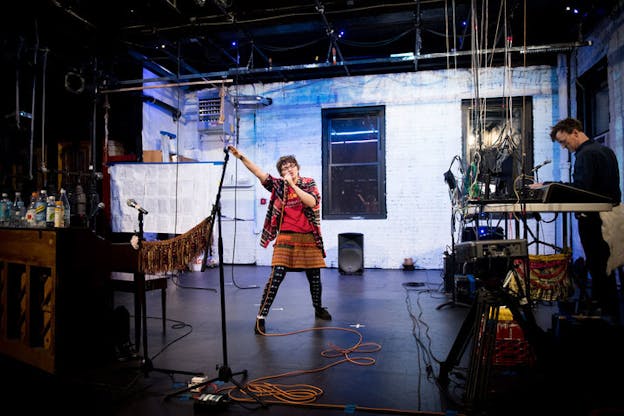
x,y
132,203
541,165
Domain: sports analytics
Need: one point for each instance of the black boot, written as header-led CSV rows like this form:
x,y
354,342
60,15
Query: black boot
x,y
322,313
259,326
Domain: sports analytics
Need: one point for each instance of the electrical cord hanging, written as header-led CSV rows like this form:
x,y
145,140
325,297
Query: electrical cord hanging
x,y
237,127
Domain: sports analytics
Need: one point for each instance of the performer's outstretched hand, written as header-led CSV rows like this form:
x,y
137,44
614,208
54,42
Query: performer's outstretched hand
x,y
234,151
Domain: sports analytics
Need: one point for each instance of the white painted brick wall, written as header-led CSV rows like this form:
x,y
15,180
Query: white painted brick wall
x,y
423,134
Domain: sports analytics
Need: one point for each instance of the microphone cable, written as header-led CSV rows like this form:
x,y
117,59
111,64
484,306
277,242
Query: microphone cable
x,y
235,219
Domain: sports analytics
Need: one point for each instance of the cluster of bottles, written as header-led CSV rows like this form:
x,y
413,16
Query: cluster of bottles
x,y
43,211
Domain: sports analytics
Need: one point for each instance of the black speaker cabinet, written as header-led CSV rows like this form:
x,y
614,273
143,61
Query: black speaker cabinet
x,y
351,253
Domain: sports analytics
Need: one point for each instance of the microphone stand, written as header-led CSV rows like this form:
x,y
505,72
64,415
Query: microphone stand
x,y
139,279
225,373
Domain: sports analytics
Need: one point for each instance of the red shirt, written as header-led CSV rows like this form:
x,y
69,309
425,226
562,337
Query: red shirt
x,y
294,217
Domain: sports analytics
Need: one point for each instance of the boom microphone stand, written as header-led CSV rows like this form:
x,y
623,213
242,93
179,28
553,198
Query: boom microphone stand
x,y
225,373
139,279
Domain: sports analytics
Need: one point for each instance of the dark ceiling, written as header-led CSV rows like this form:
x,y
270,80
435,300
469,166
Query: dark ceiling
x,y
58,56
284,40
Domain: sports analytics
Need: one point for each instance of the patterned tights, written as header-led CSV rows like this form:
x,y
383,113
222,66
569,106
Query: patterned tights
x,y
275,280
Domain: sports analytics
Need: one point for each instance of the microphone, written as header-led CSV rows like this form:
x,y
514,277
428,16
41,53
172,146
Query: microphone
x,y
99,207
226,146
541,165
132,203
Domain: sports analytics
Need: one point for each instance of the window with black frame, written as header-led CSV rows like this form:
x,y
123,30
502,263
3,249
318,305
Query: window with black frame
x,y
354,177
593,102
498,145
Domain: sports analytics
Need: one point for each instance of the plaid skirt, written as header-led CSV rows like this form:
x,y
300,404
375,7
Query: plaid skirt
x,y
297,251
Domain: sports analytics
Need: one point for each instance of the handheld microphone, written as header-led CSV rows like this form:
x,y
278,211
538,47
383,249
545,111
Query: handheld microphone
x,y
541,165
132,203
226,146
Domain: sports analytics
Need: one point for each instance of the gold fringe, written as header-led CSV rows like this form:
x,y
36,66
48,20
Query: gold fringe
x,y
175,253
548,277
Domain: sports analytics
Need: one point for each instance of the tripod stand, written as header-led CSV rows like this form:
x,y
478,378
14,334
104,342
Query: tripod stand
x,y
480,326
224,372
139,278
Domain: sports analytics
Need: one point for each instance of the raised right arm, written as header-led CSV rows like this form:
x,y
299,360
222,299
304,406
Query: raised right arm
x,y
253,168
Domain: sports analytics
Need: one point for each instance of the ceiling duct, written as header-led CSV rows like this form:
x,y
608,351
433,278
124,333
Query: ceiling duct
x,y
250,101
215,113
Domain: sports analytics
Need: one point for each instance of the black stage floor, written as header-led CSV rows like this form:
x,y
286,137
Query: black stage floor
x,y
380,354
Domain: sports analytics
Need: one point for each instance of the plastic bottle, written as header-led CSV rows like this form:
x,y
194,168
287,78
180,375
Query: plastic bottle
x,y
66,208
40,208
49,222
31,212
59,216
18,211
5,209
22,210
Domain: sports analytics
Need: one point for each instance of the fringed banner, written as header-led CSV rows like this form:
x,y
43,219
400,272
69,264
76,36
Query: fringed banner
x,y
549,278
175,253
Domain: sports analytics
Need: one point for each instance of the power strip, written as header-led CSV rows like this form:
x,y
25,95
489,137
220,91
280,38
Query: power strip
x,y
211,401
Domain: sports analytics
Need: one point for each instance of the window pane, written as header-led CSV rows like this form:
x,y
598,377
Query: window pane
x,y
354,152
354,190
353,163
498,137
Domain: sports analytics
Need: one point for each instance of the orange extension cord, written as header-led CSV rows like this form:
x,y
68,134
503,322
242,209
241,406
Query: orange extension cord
x,y
305,395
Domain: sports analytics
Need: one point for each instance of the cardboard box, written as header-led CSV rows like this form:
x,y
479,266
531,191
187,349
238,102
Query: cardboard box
x,y
151,156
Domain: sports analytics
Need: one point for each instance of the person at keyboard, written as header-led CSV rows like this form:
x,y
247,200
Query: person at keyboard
x,y
596,170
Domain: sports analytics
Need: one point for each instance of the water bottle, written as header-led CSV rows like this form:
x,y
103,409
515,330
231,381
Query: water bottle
x,y
40,208
49,222
5,209
59,216
18,211
66,208
31,212
22,209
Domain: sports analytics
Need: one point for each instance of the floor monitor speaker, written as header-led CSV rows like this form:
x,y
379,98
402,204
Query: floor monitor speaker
x,y
351,253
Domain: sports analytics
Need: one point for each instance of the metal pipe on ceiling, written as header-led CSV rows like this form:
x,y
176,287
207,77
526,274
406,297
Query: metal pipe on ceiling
x,y
220,76
169,85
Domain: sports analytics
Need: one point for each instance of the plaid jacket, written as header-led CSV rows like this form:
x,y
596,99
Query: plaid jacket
x,y
275,210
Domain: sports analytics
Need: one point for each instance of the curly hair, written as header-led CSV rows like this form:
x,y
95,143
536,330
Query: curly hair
x,y
284,160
